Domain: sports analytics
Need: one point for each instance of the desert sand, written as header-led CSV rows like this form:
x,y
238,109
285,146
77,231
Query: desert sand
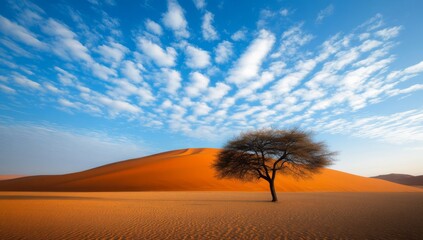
x,y
6,177
175,195
190,170
210,215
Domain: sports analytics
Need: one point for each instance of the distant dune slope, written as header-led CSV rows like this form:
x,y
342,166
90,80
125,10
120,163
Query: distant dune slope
x,y
402,179
5,177
189,170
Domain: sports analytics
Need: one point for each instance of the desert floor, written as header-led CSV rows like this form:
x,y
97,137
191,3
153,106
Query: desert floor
x,y
210,215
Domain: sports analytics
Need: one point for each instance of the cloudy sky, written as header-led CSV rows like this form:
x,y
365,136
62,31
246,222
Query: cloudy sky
x,y
85,83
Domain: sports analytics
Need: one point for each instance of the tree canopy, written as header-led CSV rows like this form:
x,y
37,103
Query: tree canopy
x,y
263,153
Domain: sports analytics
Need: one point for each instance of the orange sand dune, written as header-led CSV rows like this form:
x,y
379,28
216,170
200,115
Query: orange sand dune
x,y
6,177
189,170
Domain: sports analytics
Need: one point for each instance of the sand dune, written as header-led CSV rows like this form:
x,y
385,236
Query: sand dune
x,y
6,177
402,179
189,170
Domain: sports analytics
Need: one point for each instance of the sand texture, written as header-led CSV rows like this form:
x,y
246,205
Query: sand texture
x,y
210,215
189,170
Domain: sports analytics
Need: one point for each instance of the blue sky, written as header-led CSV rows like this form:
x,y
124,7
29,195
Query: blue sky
x,y
85,83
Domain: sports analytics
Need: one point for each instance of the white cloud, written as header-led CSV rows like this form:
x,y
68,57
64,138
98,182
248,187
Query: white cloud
x,y
277,67
397,128
370,45
113,52
29,14
356,87
284,12
52,88
102,71
83,89
172,80
163,58
363,36
25,82
270,83
16,48
388,33
65,77
373,23
153,27
223,52
123,89
249,63
199,4
355,79
290,41
67,103
110,24
145,95
117,106
99,2
114,105
267,16
65,44
239,35
131,71
415,87
326,12
417,68
249,90
7,89
244,113
167,104
20,33
198,84
217,92
201,109
174,19
196,57
209,32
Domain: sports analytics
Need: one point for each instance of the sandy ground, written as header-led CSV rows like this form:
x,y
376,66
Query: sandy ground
x,y
210,215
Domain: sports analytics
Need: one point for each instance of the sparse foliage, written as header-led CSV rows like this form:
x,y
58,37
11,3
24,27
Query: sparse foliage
x,y
263,153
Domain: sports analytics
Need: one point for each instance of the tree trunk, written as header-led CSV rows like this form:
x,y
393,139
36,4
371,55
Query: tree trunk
x,y
272,190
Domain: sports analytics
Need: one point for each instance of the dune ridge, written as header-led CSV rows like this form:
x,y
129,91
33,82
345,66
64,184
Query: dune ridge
x,y
189,170
404,179
10,176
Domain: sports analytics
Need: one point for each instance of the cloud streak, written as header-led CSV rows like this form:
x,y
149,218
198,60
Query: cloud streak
x,y
248,65
20,33
324,13
174,19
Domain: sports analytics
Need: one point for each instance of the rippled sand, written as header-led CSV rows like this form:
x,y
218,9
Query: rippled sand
x,y
210,215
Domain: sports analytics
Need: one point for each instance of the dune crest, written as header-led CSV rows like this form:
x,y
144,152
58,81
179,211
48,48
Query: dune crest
x,y
189,170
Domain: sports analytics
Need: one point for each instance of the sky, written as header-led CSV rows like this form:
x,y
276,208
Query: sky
x,y
86,83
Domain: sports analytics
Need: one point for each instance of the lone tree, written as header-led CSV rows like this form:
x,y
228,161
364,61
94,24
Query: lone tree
x,y
262,153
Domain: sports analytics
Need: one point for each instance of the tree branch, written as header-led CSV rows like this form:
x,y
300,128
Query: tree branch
x,y
264,164
280,159
261,175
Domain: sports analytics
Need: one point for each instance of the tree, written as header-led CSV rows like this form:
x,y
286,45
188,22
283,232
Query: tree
x,y
260,154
